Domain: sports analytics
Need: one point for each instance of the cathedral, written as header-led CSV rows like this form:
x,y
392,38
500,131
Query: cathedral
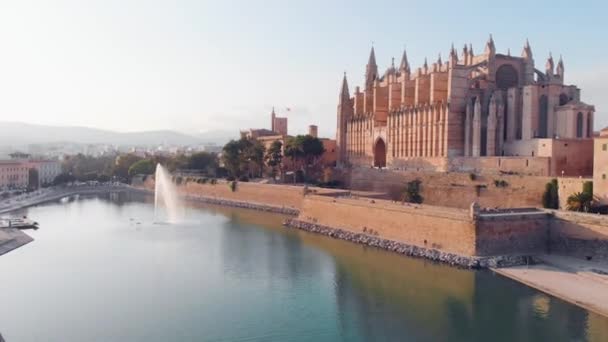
x,y
471,112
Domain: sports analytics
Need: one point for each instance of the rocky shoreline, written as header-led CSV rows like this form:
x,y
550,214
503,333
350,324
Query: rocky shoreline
x,y
410,250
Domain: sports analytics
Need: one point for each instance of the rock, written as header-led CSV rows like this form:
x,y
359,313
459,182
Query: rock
x,y
473,262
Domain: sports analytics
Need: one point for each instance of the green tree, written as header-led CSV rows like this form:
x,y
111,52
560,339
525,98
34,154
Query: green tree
x,y
142,167
550,196
236,156
274,156
304,151
254,154
122,165
580,201
204,162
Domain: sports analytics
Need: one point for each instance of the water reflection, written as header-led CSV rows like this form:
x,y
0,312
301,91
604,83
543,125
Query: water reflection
x,y
232,274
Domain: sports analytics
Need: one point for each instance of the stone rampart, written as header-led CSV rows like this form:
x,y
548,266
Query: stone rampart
x,y
451,235
459,190
445,229
508,233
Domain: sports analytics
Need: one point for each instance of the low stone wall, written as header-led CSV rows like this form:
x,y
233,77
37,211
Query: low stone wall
x,y
579,235
266,195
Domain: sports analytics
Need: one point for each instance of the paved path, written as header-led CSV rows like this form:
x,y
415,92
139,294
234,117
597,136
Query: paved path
x,y
581,282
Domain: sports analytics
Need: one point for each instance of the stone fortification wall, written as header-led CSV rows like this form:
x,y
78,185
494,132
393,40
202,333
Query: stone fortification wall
x,y
439,233
459,190
524,233
446,229
428,227
456,190
580,235
279,196
530,166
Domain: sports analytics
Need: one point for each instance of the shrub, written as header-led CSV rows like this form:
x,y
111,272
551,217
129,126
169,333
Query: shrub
x,y
580,201
412,192
550,196
588,188
178,180
472,176
232,185
213,181
501,183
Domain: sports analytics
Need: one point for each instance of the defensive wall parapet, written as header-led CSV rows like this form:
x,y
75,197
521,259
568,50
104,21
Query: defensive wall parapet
x,y
459,190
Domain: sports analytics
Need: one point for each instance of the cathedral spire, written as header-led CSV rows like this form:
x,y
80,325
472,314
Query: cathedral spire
x,y
405,65
344,93
425,66
560,68
527,51
453,56
372,57
490,48
439,61
471,53
549,66
371,71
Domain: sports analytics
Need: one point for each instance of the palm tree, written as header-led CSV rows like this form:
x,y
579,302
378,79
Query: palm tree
x,y
580,201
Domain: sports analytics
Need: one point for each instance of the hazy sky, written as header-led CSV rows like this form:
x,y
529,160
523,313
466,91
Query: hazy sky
x,y
208,65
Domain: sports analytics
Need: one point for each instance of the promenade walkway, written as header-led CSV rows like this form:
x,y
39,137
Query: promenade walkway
x,y
581,282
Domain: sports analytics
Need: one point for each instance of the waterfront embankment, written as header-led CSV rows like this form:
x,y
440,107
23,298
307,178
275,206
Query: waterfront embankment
x,y
580,282
11,239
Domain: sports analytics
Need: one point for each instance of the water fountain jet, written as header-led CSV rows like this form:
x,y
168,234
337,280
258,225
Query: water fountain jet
x,y
166,192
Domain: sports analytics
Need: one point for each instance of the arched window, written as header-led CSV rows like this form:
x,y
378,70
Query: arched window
x,y
579,125
589,125
563,99
543,109
506,77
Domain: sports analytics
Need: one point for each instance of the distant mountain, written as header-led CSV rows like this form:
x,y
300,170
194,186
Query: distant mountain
x,y
17,133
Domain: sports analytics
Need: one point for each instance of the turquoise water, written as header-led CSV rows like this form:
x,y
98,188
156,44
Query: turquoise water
x,y
94,274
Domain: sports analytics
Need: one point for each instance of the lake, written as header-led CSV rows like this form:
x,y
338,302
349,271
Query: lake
x,y
101,269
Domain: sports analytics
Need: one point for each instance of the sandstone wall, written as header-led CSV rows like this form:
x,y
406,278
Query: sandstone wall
x,y
263,194
567,187
524,233
580,235
450,230
458,190
531,166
